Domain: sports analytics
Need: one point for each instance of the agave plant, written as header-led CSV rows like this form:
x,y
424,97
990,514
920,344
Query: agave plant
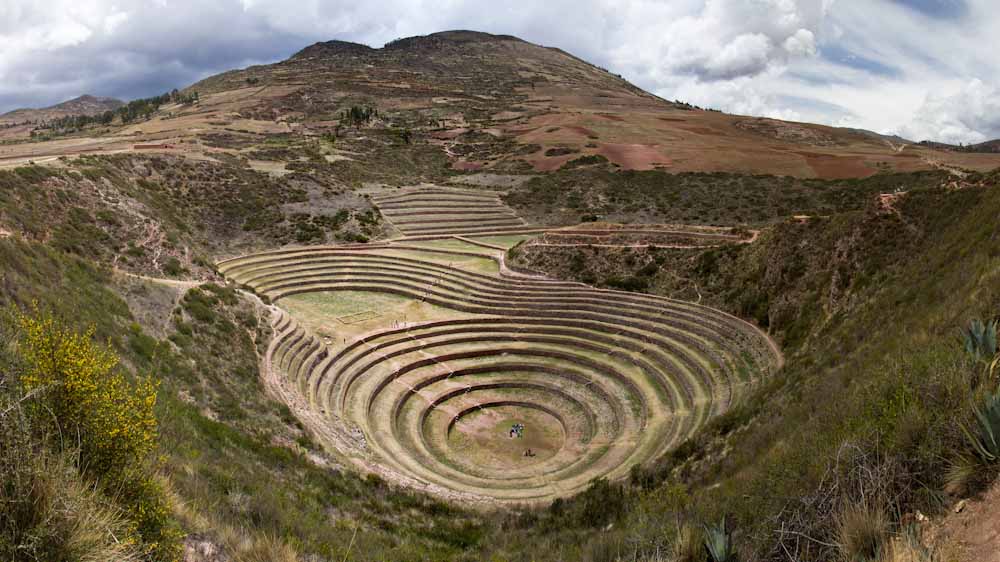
x,y
984,434
981,339
719,543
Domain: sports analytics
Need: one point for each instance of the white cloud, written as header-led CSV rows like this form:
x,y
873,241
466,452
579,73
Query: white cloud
x,y
969,115
747,54
802,43
876,64
113,21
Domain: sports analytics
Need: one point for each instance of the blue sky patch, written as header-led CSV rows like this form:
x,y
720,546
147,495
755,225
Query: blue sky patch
x,y
939,9
840,55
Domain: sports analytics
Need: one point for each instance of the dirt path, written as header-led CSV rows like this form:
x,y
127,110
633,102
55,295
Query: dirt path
x,y
973,533
957,172
179,283
480,244
637,246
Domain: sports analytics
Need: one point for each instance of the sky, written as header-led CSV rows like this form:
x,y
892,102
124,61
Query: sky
x,y
922,69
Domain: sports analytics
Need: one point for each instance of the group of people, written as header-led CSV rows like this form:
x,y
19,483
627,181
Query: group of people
x,y
516,429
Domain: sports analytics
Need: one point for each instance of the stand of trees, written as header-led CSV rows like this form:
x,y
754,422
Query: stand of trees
x,y
358,115
134,110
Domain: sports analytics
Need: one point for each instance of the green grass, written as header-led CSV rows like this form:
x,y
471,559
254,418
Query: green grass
x,y
469,263
335,304
448,244
505,241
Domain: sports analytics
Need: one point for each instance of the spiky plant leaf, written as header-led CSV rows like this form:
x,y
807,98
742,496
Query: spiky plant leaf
x,y
984,434
981,339
719,543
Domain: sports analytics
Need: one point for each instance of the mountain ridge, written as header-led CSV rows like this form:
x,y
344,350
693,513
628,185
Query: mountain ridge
x,y
551,107
85,104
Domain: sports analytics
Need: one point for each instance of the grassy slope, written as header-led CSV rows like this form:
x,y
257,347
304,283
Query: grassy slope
x,y
241,467
873,336
883,371
869,305
162,216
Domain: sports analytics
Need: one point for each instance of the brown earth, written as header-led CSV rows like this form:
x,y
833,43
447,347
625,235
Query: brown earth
x,y
971,532
456,86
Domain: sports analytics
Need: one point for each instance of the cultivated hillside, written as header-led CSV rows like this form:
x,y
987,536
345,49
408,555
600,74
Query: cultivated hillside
x,y
499,104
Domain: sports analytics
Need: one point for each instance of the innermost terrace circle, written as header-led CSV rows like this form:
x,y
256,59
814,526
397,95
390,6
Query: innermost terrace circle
x,y
482,437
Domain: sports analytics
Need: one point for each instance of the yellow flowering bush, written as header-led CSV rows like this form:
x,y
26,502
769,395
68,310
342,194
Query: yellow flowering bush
x,y
113,418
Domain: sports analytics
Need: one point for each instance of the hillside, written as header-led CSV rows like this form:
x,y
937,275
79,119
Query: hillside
x,y
19,123
501,105
82,105
463,297
991,146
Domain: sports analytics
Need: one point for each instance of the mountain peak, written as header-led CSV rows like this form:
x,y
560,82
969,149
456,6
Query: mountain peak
x,y
433,41
454,37
332,48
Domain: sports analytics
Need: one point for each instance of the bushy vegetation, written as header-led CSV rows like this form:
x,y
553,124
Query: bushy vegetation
x,y
177,211
358,115
578,190
74,409
862,421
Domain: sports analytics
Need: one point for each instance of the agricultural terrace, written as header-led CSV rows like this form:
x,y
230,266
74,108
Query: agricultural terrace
x,y
433,211
414,359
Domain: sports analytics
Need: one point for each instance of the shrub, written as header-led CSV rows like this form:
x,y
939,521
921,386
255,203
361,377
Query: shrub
x,y
862,532
173,267
630,283
84,391
600,503
80,392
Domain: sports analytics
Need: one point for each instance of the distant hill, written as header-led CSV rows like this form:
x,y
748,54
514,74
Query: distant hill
x,y
501,104
987,147
82,105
